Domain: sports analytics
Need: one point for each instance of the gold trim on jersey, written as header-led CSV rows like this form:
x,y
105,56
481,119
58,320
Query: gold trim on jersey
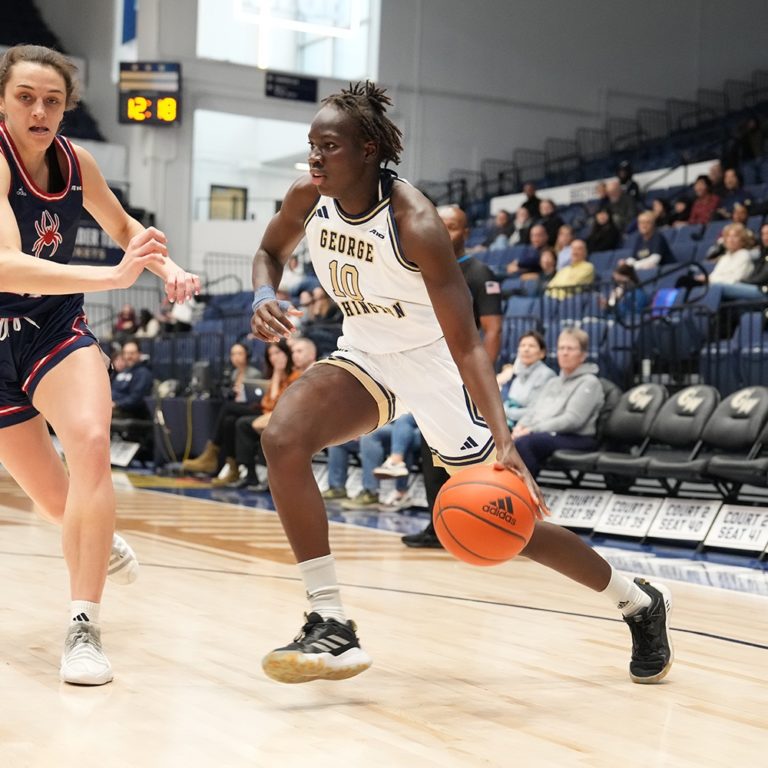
x,y
312,212
363,217
384,399
453,464
395,241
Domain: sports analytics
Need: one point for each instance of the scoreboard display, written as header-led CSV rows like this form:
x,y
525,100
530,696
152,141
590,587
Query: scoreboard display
x,y
149,92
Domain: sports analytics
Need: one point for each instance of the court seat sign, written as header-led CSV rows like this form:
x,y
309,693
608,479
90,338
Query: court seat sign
x,y
736,527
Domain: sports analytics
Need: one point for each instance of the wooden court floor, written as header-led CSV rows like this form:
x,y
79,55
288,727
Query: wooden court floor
x,y
508,666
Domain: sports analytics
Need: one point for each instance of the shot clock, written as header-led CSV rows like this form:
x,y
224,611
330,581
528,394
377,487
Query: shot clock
x,y
149,93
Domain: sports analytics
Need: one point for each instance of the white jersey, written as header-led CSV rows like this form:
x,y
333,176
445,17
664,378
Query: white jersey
x,y
359,262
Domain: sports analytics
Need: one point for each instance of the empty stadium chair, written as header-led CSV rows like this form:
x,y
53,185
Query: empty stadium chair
x,y
675,432
732,429
736,471
625,429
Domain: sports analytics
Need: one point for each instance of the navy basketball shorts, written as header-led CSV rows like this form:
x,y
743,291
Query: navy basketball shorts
x,y
425,382
29,348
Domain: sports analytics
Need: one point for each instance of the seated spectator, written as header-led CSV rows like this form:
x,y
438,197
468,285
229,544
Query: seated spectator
x,y
176,316
754,287
705,203
239,400
292,278
498,237
649,247
530,264
600,201
548,266
628,184
131,385
521,234
148,326
748,142
302,353
527,375
573,278
680,211
563,245
734,193
715,174
321,321
622,207
565,414
660,210
400,437
125,323
739,215
532,203
626,299
735,265
550,219
604,236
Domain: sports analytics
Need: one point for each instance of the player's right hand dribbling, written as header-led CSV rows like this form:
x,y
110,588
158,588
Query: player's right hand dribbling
x,y
146,249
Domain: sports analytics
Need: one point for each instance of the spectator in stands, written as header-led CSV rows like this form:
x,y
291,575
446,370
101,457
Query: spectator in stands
x,y
499,234
125,323
532,203
148,326
573,278
565,414
483,285
649,247
600,200
239,400
735,265
176,317
680,211
705,203
529,263
628,184
716,177
548,266
132,384
522,232
754,287
739,215
660,210
563,245
734,193
288,362
527,375
623,207
550,219
400,437
321,321
292,279
604,236
626,299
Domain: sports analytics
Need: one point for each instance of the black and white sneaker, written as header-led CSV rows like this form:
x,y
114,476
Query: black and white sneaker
x,y
325,649
652,652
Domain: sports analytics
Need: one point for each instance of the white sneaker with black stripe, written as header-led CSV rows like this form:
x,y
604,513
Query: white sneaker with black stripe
x,y
83,661
325,649
123,566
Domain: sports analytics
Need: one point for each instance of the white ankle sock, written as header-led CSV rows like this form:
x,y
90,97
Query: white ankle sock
x,y
82,610
625,594
319,577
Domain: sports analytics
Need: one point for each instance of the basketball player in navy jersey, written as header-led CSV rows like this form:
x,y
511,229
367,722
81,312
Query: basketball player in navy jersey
x,y
51,367
409,343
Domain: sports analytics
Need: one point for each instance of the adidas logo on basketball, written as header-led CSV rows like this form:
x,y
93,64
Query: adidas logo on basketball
x,y
501,508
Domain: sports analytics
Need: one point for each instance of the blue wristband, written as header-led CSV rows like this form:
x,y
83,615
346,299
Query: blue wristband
x,y
265,293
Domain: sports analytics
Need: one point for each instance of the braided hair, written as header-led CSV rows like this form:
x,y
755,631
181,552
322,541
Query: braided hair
x,y
367,105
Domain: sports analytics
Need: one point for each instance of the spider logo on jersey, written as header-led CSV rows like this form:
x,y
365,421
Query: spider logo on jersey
x,y
48,234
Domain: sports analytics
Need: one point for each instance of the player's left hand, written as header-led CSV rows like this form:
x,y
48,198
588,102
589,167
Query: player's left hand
x,y
508,458
181,286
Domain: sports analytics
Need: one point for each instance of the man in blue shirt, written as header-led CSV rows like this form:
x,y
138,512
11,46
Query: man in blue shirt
x,y
132,384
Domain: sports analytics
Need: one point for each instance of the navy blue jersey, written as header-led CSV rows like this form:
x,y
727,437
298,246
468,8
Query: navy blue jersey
x,y
47,221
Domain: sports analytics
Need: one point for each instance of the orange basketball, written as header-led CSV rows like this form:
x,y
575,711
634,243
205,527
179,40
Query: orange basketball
x,y
484,516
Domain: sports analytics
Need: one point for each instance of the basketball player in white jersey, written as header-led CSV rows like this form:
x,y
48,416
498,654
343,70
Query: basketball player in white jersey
x,y
409,343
